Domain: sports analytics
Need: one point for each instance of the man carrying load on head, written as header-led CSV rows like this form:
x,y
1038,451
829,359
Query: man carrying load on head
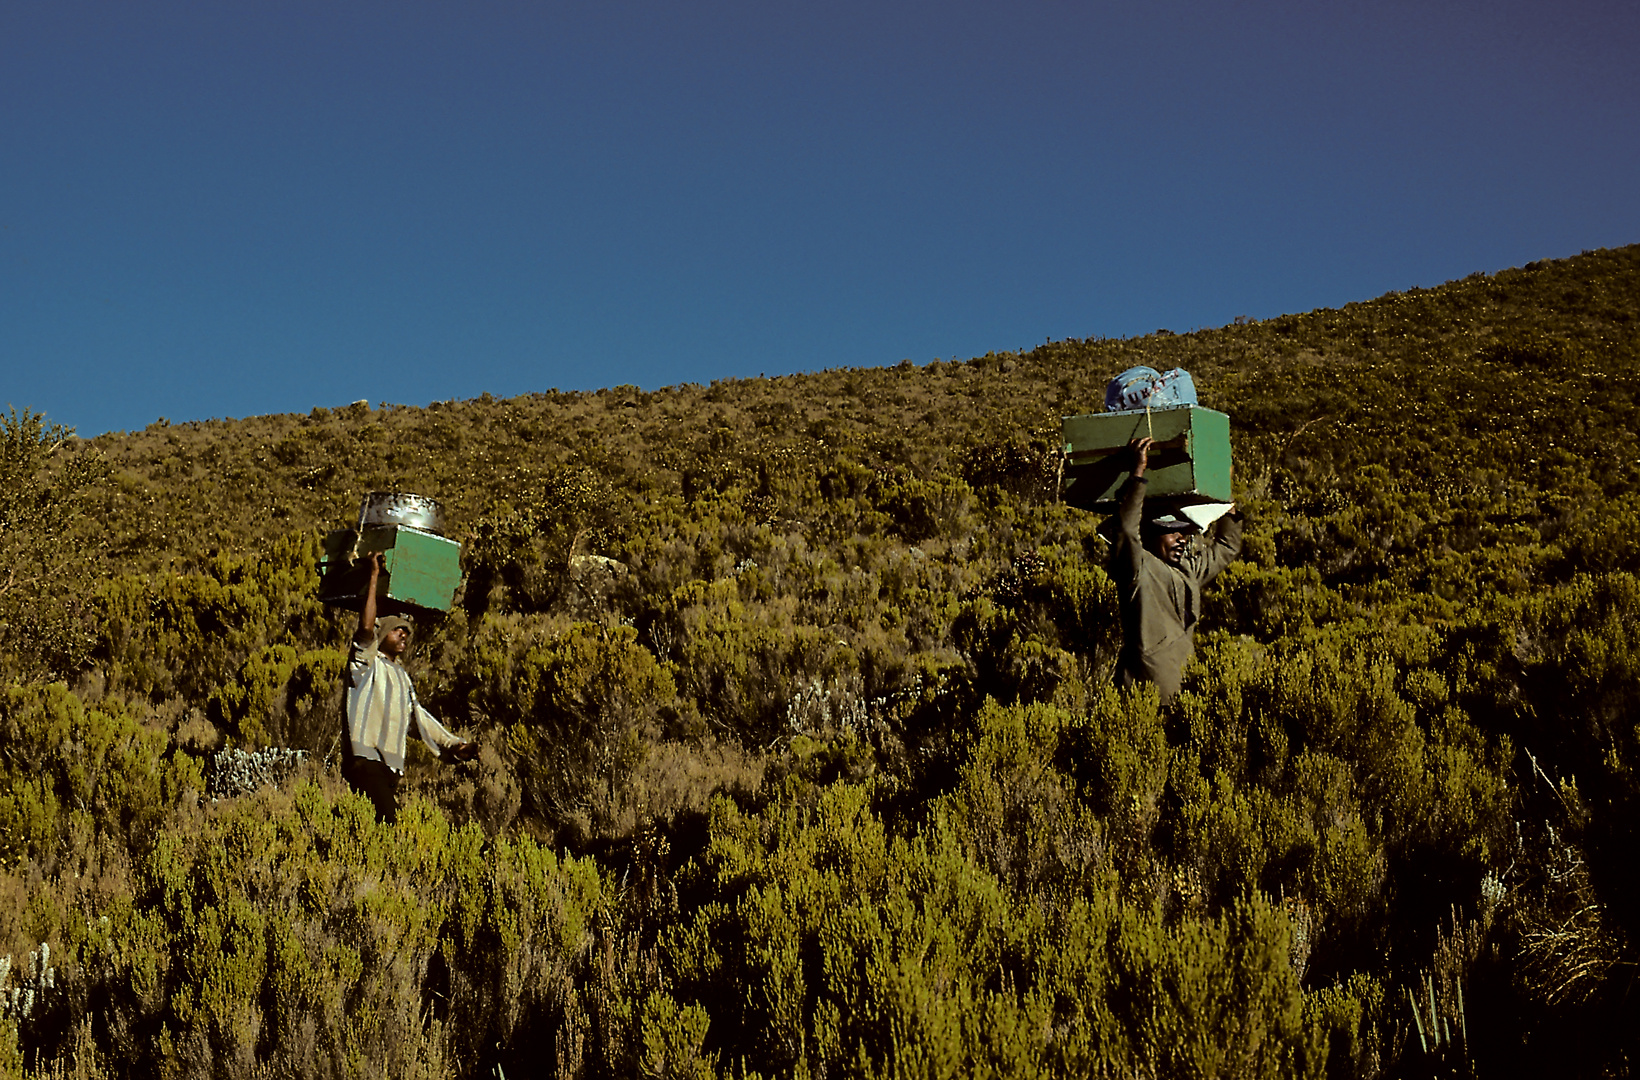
x,y
1159,579
382,706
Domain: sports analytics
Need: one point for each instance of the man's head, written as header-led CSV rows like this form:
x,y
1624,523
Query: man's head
x,y
393,635
1167,536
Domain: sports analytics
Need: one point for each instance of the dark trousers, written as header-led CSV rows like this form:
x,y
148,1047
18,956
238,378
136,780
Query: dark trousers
x,y
375,782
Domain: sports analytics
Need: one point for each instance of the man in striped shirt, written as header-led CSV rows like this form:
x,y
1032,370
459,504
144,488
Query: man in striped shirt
x,y
382,707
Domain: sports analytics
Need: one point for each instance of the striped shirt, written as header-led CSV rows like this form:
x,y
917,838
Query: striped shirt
x,y
381,706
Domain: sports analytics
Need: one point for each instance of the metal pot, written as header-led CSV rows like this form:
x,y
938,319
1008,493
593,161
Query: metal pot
x,y
401,508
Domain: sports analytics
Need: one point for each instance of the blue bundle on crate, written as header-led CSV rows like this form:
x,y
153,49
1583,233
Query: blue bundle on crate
x,y
1140,388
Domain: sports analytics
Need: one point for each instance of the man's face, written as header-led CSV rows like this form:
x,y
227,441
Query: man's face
x,y
1171,546
395,641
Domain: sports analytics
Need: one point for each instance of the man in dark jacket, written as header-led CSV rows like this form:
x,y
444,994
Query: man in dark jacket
x,y
1159,577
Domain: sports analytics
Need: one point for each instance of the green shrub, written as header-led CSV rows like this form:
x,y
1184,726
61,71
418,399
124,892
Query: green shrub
x,y
578,708
63,758
284,698
187,634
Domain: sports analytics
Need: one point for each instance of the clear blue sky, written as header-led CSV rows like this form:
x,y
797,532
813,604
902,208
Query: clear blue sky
x,y
232,208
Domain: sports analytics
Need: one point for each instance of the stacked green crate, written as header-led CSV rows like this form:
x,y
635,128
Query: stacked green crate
x,y
419,569
1189,459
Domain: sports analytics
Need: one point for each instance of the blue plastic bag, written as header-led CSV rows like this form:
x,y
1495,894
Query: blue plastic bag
x,y
1145,388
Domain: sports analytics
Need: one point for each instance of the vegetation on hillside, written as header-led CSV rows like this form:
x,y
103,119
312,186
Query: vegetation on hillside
x,y
800,753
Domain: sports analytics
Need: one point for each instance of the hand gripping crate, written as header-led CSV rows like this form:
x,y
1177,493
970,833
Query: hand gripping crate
x,y
419,569
1189,460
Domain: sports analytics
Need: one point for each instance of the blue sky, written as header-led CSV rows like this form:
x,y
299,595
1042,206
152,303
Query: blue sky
x,y
232,208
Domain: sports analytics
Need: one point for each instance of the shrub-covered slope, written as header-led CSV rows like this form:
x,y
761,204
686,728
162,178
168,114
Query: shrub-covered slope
x,y
800,754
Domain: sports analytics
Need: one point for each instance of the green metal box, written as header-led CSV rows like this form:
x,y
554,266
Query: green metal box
x,y
1190,457
419,569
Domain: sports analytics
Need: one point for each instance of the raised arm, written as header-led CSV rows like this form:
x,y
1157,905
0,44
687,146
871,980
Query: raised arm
x,y
366,634
1223,544
1130,506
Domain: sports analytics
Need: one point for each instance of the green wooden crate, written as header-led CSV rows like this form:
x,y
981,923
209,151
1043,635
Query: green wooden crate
x,y
419,569
1189,459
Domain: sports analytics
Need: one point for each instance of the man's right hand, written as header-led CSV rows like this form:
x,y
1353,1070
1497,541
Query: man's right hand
x,y
367,611
1140,449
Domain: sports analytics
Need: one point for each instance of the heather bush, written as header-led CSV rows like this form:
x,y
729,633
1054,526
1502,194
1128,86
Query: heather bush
x,y
46,480
71,769
184,635
283,697
879,955
578,709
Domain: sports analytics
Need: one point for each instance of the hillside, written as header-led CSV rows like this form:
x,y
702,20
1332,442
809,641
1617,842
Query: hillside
x,y
822,774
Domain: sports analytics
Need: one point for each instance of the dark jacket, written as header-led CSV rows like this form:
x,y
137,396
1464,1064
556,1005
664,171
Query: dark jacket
x,y
1161,603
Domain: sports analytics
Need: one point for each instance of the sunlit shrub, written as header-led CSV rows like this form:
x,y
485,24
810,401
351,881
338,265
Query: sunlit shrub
x,y
186,634
283,697
579,708
61,755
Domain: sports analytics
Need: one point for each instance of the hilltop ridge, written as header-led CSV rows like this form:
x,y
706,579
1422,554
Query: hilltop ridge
x,y
1487,346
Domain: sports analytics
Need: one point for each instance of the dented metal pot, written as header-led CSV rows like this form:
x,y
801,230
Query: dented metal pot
x,y
383,508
